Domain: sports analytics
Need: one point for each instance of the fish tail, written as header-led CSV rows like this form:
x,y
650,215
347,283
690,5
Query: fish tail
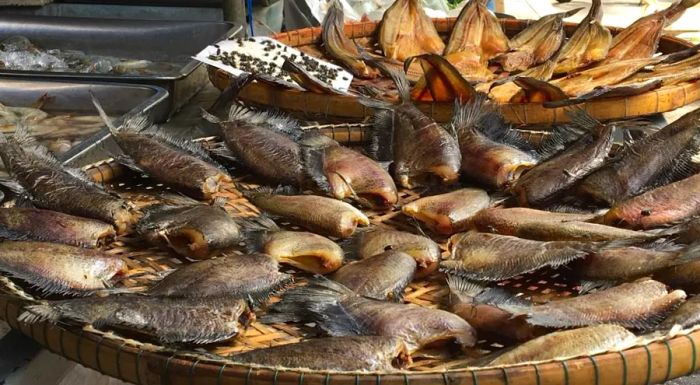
x,y
106,119
396,75
464,287
469,114
254,230
313,157
134,123
351,245
584,120
40,313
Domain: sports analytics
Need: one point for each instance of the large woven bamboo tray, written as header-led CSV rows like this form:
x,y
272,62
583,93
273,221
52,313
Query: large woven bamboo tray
x,y
309,105
145,363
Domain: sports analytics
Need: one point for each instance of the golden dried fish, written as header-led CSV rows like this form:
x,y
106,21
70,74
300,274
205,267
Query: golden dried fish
x,y
406,30
183,164
686,316
169,320
569,344
546,181
422,151
338,311
383,276
316,213
19,223
477,32
640,305
658,207
373,241
346,174
249,276
339,46
441,80
548,226
507,91
303,250
657,159
536,43
51,186
588,44
352,353
492,153
59,269
491,257
469,67
448,213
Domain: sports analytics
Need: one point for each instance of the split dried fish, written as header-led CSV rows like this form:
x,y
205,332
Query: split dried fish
x,y
406,30
588,44
448,213
383,276
339,46
477,32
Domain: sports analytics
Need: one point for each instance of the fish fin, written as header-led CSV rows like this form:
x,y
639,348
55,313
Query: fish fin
x,y
396,75
228,95
39,313
267,191
12,185
129,163
260,223
470,114
588,286
274,121
465,287
560,138
379,144
313,147
498,296
105,118
583,120
186,145
221,151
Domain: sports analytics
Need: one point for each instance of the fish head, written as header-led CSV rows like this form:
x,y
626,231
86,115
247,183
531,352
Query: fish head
x,y
104,269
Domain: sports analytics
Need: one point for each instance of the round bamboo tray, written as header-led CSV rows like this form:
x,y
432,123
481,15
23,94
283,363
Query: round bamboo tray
x,y
335,108
139,362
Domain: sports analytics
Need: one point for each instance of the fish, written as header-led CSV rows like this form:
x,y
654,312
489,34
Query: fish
x,y
477,32
383,276
253,276
546,181
347,174
507,91
28,223
492,153
423,152
303,250
588,44
657,159
170,321
195,231
686,316
684,275
349,353
442,81
686,232
339,46
485,317
565,344
318,214
641,304
492,257
448,213
406,30
376,240
658,207
50,185
55,268
641,38
338,311
183,164
542,225
536,43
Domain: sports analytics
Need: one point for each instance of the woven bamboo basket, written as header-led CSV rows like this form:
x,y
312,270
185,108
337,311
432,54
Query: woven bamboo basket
x,y
149,364
336,108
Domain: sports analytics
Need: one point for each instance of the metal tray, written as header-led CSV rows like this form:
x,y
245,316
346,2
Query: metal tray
x,y
169,41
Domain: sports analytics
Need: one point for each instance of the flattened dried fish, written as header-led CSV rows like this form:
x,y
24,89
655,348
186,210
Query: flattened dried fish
x,y
406,30
383,276
51,186
180,163
492,153
544,182
169,320
339,46
569,344
338,311
59,269
448,213
19,223
662,206
373,241
686,316
477,32
442,81
303,250
318,214
548,226
250,276
356,353
640,305
588,44
685,276
491,257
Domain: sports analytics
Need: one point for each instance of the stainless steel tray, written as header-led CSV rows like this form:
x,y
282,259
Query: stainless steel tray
x,y
166,41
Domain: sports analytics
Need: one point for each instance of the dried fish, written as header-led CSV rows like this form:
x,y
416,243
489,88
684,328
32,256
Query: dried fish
x,y
383,276
441,80
406,30
685,276
448,213
686,316
352,353
588,44
303,250
20,223
477,32
59,269
316,213
169,320
339,46
338,311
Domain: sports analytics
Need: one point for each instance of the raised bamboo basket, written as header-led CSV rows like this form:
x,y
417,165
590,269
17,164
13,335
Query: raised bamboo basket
x,y
337,108
145,363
